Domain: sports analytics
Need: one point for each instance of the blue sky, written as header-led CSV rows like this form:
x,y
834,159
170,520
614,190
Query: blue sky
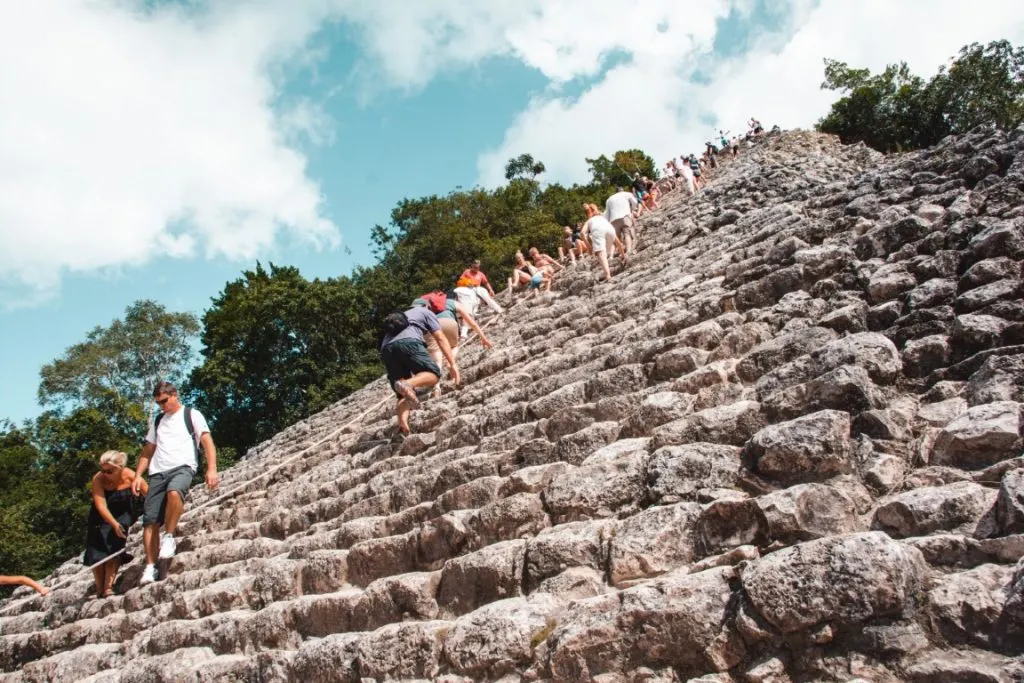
x,y
202,139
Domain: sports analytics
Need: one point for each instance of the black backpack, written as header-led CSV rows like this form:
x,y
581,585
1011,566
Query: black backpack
x,y
395,323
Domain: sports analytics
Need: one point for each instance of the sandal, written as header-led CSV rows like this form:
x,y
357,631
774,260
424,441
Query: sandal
x,y
405,390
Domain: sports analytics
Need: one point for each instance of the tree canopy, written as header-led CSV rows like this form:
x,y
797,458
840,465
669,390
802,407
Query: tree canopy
x,y
620,169
522,166
896,110
123,359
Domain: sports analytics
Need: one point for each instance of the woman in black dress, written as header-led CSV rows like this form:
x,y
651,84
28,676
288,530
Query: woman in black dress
x,y
109,518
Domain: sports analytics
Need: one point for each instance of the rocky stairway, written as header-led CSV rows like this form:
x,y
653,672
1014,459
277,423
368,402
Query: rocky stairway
x,y
783,444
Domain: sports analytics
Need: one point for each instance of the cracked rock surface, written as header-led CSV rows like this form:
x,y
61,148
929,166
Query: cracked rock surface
x,y
783,444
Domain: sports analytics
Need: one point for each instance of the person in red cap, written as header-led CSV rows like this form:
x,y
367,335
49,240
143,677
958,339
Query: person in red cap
x,y
449,311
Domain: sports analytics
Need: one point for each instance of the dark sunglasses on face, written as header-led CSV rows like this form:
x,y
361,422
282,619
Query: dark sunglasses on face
x,y
163,401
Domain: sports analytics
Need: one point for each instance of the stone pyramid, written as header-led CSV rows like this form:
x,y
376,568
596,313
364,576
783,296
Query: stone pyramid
x,y
783,444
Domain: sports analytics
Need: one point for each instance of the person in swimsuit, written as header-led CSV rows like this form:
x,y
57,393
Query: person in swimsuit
x,y
525,273
573,244
651,199
543,261
110,516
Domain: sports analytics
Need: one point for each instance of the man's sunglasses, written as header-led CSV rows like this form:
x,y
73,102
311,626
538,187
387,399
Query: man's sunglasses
x,y
163,401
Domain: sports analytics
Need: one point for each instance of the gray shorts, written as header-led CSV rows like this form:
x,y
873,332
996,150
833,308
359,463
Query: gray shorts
x,y
178,479
623,227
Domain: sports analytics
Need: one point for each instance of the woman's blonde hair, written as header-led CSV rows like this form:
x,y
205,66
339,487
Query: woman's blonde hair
x,y
114,458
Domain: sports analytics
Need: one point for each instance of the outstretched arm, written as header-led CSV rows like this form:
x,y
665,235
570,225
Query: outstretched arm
x,y
553,263
24,581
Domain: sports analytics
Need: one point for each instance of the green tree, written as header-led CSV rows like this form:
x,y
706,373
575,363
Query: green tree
x,y
45,471
620,169
522,166
886,111
278,347
984,85
123,359
896,110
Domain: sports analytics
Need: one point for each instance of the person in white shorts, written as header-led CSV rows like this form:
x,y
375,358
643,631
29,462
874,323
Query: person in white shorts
x,y
602,238
619,210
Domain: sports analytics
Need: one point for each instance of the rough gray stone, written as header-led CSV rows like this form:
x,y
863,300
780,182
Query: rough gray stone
x,y
980,437
962,506
809,448
1010,504
846,579
654,541
807,511
499,638
611,479
691,471
730,424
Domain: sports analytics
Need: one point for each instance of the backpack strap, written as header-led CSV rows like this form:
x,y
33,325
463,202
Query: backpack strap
x,y
191,432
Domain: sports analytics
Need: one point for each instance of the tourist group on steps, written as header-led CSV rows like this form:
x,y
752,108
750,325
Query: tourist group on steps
x,y
416,344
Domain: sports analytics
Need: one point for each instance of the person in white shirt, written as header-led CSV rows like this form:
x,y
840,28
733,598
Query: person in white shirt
x,y
170,455
618,209
686,173
602,237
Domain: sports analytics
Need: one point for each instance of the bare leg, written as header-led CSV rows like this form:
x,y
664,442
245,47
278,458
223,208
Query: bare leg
x,y
485,296
111,574
98,575
603,258
172,512
421,380
151,540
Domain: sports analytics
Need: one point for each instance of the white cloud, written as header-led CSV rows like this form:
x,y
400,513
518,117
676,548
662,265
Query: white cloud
x,y
653,103
131,135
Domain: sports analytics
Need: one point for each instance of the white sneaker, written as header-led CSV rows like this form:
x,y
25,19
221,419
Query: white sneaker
x,y
167,546
148,575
